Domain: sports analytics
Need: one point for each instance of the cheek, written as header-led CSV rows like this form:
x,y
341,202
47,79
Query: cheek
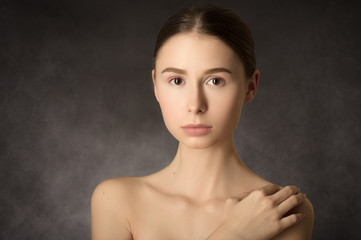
x,y
170,106
228,110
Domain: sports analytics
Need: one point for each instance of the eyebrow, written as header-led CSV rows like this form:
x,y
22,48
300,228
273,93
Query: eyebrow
x,y
209,71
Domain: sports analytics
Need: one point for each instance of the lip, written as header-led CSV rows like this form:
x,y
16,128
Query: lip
x,y
199,125
197,129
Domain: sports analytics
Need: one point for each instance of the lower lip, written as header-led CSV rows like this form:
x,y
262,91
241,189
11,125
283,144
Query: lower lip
x,y
197,131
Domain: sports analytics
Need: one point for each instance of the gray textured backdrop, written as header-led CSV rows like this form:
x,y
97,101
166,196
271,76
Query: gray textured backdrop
x,y
77,107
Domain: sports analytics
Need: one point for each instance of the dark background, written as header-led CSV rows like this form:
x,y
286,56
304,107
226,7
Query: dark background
x,y
77,107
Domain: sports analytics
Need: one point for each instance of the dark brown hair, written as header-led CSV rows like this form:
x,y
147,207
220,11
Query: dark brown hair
x,y
212,20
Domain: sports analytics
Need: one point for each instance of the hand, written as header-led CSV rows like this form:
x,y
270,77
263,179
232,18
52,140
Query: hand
x,y
260,215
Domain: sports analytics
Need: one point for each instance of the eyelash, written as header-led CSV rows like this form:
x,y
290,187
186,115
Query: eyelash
x,y
172,81
219,79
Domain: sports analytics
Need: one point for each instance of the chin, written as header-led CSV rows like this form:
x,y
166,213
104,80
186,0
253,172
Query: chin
x,y
200,142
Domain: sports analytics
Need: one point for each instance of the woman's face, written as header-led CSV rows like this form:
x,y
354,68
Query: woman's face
x,y
198,79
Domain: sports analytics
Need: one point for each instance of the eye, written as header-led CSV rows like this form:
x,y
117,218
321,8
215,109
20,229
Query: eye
x,y
176,81
215,81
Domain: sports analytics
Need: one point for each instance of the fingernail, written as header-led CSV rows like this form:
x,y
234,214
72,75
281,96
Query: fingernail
x,y
305,195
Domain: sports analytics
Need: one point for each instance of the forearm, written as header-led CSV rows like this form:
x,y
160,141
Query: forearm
x,y
223,232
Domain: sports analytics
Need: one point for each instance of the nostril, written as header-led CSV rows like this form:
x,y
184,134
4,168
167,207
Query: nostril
x,y
200,109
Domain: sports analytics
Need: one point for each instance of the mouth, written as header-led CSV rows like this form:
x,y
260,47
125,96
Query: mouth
x,y
199,125
197,129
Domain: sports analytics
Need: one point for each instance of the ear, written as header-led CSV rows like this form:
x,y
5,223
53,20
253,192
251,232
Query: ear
x,y
252,86
154,85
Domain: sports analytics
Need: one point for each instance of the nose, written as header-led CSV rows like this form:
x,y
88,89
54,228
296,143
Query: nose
x,y
196,100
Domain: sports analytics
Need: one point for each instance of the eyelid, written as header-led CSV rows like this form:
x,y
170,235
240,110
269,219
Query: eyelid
x,y
172,82
219,78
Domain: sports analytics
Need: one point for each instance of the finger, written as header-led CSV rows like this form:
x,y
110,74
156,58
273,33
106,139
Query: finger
x,y
243,195
270,189
239,197
291,220
290,203
284,194
231,201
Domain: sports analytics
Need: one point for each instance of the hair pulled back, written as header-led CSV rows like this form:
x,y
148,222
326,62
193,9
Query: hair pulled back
x,y
214,20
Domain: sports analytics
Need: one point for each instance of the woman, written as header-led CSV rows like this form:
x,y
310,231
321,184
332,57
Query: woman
x,y
204,71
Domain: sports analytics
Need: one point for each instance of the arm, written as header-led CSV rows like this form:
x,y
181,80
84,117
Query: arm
x,y
261,215
109,211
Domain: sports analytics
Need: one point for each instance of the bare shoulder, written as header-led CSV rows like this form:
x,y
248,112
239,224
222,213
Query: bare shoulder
x,y
115,187
111,207
115,190
303,230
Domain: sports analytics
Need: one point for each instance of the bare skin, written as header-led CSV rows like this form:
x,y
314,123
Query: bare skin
x,y
207,192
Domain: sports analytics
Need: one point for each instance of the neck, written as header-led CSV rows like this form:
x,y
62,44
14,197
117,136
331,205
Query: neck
x,y
206,173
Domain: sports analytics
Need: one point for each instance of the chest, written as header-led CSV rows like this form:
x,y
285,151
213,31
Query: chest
x,y
175,219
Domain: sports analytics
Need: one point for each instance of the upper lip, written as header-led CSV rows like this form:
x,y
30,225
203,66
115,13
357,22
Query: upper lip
x,y
199,125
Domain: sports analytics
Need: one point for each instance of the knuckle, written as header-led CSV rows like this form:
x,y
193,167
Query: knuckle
x,y
230,201
293,200
259,193
288,190
268,202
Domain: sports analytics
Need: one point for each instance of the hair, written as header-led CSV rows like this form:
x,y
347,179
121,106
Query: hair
x,y
213,20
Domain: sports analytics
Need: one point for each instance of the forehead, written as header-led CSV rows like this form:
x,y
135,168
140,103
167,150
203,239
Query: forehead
x,y
194,51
